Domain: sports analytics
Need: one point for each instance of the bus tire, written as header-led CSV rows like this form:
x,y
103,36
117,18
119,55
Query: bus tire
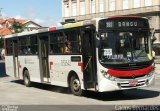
x,y
26,79
75,86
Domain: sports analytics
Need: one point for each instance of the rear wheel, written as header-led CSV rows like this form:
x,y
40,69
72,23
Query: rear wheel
x,y
26,79
75,86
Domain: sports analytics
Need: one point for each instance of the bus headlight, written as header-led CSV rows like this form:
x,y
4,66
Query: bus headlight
x,y
112,78
150,74
108,76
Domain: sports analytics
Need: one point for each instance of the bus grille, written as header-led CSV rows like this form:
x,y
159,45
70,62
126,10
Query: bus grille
x,y
132,77
134,67
125,85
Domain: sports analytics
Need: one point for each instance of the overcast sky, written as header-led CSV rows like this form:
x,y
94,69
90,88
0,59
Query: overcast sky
x,y
43,12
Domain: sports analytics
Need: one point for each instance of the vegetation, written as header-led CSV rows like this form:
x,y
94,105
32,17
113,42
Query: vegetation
x,y
17,27
1,43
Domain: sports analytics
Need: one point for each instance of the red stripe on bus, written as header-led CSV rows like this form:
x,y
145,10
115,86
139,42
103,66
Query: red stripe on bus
x,y
52,28
81,65
140,72
50,65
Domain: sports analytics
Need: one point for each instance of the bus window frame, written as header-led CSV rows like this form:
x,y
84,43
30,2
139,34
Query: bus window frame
x,y
19,45
11,47
57,42
63,31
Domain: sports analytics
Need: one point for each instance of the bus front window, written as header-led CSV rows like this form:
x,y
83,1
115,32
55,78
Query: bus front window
x,y
124,47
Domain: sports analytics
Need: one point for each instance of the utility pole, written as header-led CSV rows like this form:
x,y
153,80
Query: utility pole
x,y
1,36
1,12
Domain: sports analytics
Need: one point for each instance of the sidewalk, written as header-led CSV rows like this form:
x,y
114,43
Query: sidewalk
x,y
157,69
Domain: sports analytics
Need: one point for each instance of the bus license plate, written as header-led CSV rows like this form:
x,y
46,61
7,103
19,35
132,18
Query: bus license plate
x,y
133,83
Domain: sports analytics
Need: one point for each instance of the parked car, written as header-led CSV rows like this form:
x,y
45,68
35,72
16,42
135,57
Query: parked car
x,y
156,48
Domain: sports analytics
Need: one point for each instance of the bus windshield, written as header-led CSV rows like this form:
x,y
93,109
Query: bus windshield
x,y
120,47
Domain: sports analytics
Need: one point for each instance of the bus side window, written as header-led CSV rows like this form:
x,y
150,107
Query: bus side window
x,y
28,45
33,49
56,43
9,47
53,40
73,37
22,46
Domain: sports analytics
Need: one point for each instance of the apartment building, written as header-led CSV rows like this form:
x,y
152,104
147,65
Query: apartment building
x,y
88,9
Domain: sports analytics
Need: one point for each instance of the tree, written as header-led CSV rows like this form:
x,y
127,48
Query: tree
x,y
1,42
17,27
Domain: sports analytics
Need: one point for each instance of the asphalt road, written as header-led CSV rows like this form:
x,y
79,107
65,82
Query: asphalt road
x,y
13,92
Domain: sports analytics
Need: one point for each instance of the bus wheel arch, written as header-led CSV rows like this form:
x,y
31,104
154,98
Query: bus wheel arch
x,y
26,77
24,70
71,73
74,83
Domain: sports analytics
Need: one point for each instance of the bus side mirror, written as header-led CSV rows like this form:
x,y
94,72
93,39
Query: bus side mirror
x,y
97,36
153,39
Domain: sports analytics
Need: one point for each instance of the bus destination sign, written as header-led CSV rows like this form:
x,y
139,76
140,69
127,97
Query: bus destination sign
x,y
123,23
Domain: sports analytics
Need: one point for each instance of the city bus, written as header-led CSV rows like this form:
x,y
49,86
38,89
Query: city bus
x,y
106,54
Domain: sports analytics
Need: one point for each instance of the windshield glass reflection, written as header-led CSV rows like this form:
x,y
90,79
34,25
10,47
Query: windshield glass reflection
x,y
124,47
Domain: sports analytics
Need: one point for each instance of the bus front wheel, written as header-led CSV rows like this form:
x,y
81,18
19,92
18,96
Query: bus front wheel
x,y
75,86
26,79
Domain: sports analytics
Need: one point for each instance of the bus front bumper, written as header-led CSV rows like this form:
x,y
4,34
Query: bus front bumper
x,y
106,85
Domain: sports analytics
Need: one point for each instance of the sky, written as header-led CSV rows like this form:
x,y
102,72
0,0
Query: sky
x,y
43,12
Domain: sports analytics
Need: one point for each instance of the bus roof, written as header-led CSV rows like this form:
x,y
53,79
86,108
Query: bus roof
x,y
53,28
69,25
26,33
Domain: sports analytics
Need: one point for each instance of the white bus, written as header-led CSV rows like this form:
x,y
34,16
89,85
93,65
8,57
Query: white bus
x,y
105,55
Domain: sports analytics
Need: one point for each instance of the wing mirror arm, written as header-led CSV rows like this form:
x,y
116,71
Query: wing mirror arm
x,y
153,38
98,39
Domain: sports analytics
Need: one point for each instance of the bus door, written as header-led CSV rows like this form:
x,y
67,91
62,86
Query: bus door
x,y
15,58
43,58
89,58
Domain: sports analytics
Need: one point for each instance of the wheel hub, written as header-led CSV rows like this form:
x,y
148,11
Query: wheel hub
x,y
76,84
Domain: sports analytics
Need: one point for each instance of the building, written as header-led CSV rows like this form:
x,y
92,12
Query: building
x,y
5,25
30,25
88,9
